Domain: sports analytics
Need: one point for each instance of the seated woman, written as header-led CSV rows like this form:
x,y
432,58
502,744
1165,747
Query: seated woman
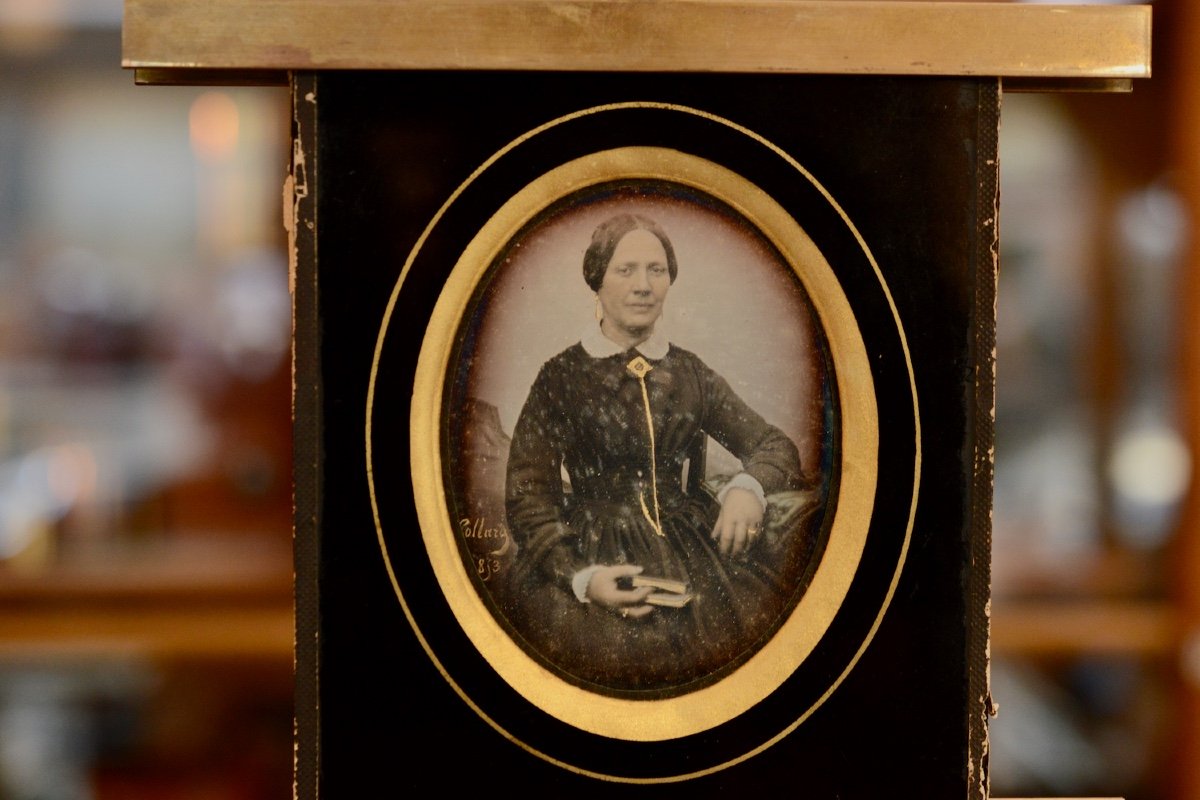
x,y
626,413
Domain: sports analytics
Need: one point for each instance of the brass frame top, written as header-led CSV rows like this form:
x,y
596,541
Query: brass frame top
x,y
208,40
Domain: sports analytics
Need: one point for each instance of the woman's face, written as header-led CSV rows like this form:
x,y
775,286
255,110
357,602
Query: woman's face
x,y
634,287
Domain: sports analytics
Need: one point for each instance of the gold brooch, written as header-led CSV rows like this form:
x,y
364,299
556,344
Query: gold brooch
x,y
638,367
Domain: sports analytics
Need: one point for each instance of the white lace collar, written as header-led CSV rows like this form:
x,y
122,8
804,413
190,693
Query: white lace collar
x,y
597,345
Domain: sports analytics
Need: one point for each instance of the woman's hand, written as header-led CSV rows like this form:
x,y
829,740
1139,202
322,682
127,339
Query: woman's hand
x,y
604,590
739,523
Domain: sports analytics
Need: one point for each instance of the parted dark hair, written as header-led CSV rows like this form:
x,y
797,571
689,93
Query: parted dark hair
x,y
605,240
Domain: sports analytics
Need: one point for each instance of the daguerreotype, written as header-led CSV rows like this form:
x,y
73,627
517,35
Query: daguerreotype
x,y
652,565
640,437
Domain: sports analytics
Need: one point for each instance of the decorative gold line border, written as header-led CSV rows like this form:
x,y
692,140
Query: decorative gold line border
x,y
370,475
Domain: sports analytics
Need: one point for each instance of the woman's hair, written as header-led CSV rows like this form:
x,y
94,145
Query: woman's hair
x,y
605,240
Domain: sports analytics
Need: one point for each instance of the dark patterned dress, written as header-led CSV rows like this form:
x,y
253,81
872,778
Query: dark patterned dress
x,y
587,416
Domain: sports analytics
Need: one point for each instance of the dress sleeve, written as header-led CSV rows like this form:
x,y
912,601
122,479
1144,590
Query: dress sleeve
x,y
534,499
766,453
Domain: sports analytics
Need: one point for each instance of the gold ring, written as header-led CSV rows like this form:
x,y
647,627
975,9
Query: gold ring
x,y
752,529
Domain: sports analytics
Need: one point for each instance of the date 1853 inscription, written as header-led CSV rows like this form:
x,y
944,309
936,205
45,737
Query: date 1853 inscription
x,y
489,544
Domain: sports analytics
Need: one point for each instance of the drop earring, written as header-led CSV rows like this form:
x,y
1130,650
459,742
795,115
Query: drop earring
x,y
599,310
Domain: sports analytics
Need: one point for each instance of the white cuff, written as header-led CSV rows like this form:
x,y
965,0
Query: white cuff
x,y
744,480
581,579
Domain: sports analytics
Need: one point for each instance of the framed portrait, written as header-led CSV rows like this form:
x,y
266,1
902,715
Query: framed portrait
x,y
564,454
651,430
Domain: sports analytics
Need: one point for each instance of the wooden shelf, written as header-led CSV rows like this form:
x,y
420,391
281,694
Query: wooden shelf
x,y
1093,628
173,634
178,598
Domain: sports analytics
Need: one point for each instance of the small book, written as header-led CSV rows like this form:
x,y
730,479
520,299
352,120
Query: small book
x,y
670,599
662,584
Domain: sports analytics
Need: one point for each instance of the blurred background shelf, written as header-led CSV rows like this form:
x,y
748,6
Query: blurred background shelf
x,y
168,599
172,635
145,425
1048,630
